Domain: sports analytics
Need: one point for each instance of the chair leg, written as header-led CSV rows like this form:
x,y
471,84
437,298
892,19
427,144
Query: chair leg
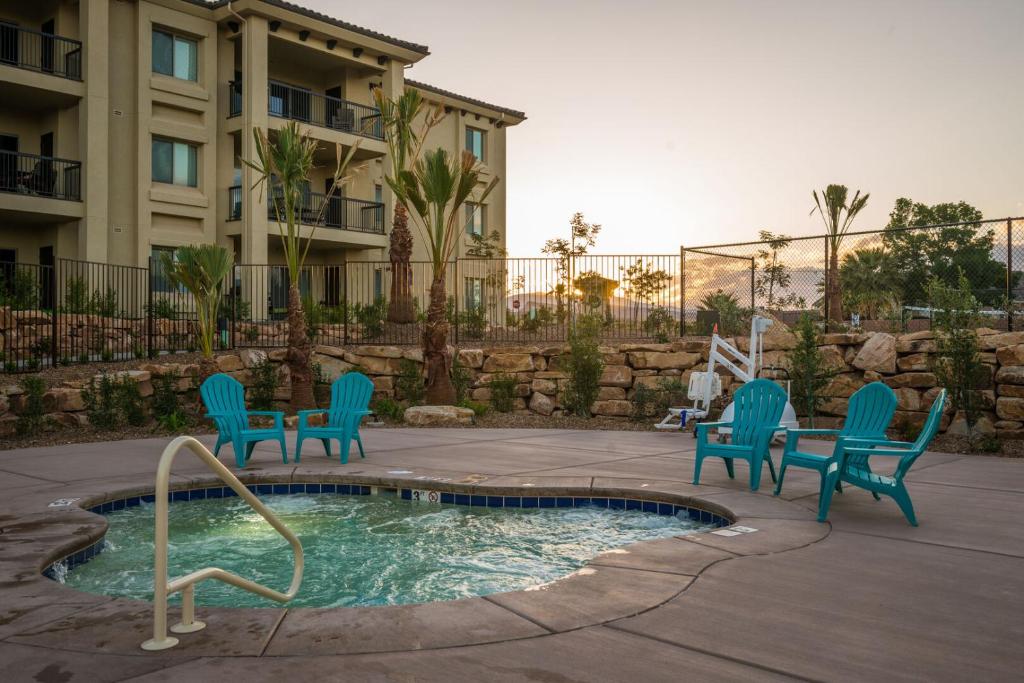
x,y
755,472
782,475
730,468
696,469
327,446
298,446
284,449
902,499
771,466
825,499
248,450
345,442
216,448
359,442
239,449
877,497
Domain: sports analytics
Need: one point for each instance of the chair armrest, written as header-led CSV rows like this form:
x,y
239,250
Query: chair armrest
x,y
874,451
793,436
879,441
711,425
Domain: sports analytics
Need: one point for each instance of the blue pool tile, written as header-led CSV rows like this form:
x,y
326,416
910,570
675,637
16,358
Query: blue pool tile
x,y
296,488
495,502
215,492
328,488
448,498
581,502
229,492
664,508
461,499
634,504
599,502
547,501
312,488
694,514
108,506
479,501
530,501
650,506
705,517
131,502
149,498
98,509
197,494
564,502
280,489
617,503
179,495
264,489
365,490
513,502
406,494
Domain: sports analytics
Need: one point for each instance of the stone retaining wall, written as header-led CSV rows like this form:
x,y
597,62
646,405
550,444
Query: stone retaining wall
x,y
901,361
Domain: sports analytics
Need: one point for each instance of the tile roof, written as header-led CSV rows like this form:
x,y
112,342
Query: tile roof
x,y
449,93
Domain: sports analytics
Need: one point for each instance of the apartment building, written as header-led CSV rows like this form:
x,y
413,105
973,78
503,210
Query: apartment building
x,y
125,122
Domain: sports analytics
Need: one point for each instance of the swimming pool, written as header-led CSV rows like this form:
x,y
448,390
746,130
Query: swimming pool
x,y
364,550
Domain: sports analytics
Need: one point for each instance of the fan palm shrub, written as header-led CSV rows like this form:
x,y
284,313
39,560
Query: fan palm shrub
x,y
838,215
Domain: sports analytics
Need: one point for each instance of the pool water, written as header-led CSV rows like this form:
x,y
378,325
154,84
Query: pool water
x,y
364,550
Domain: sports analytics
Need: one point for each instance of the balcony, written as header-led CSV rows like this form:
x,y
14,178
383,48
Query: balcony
x,y
41,52
31,174
341,212
298,104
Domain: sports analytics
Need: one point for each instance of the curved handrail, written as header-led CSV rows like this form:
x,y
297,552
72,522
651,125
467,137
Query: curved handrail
x,y
162,587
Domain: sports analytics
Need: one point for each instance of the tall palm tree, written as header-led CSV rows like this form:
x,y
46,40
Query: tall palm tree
x,y
283,166
436,189
837,216
405,142
870,280
202,270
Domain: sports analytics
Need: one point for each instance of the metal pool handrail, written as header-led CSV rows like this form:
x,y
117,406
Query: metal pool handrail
x,y
186,584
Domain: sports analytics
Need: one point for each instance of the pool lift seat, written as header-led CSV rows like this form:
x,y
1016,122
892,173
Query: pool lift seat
x,y
706,386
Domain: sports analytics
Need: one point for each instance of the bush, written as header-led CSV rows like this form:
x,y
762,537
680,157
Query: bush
x,y
645,401
166,406
113,402
21,291
462,379
660,324
584,366
473,323
733,319
264,385
387,408
409,382
479,409
503,391
371,317
30,421
78,299
807,371
164,308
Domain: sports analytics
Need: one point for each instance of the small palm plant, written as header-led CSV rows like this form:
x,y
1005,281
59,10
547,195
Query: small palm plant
x,y
203,271
837,215
283,167
436,189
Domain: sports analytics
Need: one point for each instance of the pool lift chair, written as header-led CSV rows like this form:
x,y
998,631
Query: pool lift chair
x,y
706,386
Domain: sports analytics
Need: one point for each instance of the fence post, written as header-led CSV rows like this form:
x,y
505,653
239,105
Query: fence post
x,y
753,276
149,307
824,299
682,291
54,299
455,288
234,306
1009,275
344,302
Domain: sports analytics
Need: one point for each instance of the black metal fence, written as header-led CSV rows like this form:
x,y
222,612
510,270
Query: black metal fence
x,y
38,51
883,276
41,176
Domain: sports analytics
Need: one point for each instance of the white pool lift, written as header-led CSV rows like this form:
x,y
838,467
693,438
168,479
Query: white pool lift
x,y
704,387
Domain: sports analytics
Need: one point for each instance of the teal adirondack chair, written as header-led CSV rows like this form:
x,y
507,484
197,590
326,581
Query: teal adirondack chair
x,y
854,469
224,398
758,407
870,411
350,401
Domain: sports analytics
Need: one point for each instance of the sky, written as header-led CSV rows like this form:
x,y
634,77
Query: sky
x,y
702,122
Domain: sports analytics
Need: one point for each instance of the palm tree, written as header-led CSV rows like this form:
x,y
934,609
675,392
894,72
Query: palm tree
x,y
202,270
405,142
870,280
837,216
436,189
284,167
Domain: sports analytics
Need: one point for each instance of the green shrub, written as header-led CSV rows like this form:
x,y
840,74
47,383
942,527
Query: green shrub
x,y
113,402
83,357
473,323
138,350
319,376
584,366
314,314
808,373
264,385
409,382
107,355
387,408
104,304
645,402
164,308
21,291
166,405
462,379
10,366
479,409
30,420
252,333
371,317
660,324
503,391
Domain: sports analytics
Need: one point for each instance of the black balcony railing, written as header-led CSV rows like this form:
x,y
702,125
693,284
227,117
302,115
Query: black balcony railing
x,y
340,212
28,49
288,102
235,98
235,203
41,176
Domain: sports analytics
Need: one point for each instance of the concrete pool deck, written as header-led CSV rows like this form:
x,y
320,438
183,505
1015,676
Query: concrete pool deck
x,y
864,596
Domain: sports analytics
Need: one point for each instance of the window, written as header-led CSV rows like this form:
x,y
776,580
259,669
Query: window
x,y
378,193
378,285
160,281
174,162
476,142
476,223
474,293
175,56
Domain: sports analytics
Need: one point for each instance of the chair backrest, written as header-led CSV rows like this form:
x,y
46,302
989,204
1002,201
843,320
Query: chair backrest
x,y
756,405
224,394
928,432
870,411
351,391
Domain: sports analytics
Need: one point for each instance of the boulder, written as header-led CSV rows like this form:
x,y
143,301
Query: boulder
x,y
438,416
376,365
378,351
1010,355
958,425
690,345
656,348
655,382
1015,390
990,342
915,346
415,355
915,362
1007,425
844,338
333,351
63,399
611,394
834,406
253,357
917,380
509,362
843,386
539,403
1010,374
833,358
1010,408
878,354
681,360
331,366
612,408
384,384
907,398
616,376
544,386
471,358
229,363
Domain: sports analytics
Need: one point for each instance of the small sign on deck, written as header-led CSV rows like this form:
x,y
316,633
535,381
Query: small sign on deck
x,y
425,496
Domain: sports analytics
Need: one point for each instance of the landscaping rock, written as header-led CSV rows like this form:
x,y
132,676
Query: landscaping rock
x,y
332,366
655,359
616,376
1010,408
917,380
958,425
229,363
991,342
843,386
539,403
509,362
915,362
379,351
471,358
1011,355
438,416
253,357
544,386
844,338
611,394
1010,390
612,408
907,398
878,354
1010,374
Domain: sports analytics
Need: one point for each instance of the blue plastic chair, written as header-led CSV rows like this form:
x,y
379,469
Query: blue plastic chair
x,y
757,409
224,398
868,416
350,401
854,469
